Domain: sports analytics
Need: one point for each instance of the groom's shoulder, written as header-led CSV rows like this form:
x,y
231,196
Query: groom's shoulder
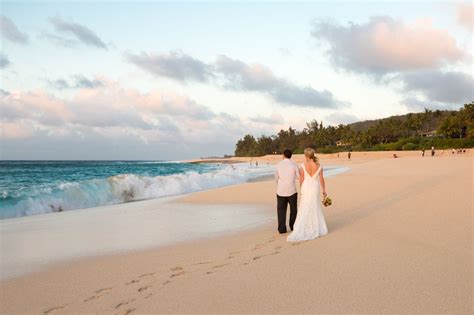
x,y
286,163
292,162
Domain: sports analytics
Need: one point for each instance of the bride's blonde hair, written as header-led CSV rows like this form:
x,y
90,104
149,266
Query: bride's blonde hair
x,y
311,154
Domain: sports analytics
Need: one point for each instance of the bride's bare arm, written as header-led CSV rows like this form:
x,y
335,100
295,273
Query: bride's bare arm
x,y
322,182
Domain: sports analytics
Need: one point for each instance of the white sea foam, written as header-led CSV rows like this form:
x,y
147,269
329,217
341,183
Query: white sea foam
x,y
130,187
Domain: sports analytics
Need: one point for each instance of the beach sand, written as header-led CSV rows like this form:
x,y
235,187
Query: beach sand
x,y
400,240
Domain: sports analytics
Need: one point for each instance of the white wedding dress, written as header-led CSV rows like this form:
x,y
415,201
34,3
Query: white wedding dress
x,y
310,222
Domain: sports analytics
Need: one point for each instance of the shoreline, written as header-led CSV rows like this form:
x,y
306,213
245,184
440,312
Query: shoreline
x,y
399,239
254,177
94,223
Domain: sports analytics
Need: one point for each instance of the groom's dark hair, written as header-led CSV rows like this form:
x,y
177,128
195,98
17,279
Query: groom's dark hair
x,y
287,153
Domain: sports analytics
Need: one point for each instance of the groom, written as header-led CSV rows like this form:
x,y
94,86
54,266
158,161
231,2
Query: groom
x,y
285,175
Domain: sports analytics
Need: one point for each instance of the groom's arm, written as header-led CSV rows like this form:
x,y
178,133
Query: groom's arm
x,y
297,171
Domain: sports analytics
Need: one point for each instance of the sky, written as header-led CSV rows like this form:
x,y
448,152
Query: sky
x,y
155,80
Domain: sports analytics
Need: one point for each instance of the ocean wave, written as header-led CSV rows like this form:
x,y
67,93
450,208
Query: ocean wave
x,y
125,188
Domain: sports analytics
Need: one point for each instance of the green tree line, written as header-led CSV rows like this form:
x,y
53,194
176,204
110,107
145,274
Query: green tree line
x,y
413,131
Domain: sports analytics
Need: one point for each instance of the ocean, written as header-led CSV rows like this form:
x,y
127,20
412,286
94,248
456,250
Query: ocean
x,y
38,187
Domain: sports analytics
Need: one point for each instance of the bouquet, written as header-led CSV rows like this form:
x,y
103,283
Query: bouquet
x,y
327,201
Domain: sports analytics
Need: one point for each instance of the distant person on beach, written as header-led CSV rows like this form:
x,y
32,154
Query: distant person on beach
x,y
453,151
395,156
256,163
349,155
432,151
422,152
286,174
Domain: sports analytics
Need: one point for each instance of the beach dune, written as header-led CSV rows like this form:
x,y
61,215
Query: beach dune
x,y
400,240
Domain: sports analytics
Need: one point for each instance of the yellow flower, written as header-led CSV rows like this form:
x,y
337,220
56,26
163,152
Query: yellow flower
x,y
327,201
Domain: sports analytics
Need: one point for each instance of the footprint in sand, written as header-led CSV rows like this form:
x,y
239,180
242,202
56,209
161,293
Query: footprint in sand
x,y
140,290
90,298
124,303
277,247
149,295
261,256
146,275
166,282
132,282
55,308
177,268
258,246
214,268
203,263
102,290
177,274
129,310
220,266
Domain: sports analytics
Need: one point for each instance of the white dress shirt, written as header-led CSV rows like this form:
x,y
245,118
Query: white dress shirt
x,y
286,174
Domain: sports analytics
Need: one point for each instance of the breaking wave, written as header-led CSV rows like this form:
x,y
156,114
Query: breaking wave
x,y
124,188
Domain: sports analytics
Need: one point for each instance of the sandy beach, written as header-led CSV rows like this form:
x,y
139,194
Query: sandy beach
x,y
400,241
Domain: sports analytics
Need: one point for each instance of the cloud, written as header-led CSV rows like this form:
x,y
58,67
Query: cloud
x,y
110,106
285,52
114,122
9,31
234,74
38,106
174,65
384,45
417,104
274,119
337,118
465,12
80,32
439,87
66,42
17,130
4,61
256,77
76,82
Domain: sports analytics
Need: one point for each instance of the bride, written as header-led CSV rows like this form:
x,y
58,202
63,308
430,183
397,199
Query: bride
x,y
310,222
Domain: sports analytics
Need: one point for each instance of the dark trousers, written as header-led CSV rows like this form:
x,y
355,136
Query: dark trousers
x,y
282,204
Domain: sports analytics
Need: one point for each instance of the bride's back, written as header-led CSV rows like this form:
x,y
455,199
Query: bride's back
x,y
311,167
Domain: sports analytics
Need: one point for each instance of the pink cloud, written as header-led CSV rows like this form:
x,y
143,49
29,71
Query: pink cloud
x,y
466,15
93,118
37,105
385,45
17,130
